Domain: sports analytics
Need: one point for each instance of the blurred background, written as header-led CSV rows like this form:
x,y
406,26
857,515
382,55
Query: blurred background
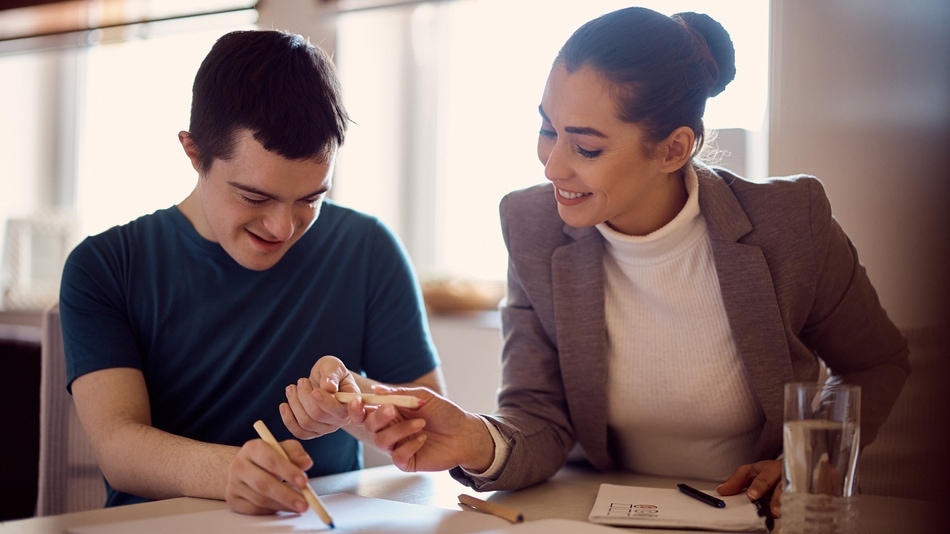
x,y
444,96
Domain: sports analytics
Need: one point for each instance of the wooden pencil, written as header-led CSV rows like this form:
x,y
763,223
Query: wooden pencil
x,y
404,401
493,508
307,491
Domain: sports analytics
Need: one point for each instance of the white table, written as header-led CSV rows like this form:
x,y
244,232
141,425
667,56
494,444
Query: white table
x,y
569,495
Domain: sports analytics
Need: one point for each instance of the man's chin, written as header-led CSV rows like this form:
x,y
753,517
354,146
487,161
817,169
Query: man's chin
x,y
257,261
261,264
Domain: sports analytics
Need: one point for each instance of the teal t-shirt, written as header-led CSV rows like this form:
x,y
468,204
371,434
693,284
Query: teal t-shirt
x,y
218,343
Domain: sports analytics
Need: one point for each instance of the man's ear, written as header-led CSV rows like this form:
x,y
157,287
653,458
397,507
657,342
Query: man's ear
x,y
678,148
191,149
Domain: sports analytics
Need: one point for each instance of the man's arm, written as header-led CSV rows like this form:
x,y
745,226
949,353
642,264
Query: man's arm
x,y
134,456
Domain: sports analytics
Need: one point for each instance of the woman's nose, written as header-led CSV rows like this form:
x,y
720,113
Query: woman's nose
x,y
555,165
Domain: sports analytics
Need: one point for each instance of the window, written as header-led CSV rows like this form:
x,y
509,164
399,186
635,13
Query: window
x,y
445,101
444,95
137,99
88,136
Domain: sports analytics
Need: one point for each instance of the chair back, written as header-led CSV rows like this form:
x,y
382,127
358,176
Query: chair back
x,y
69,476
909,457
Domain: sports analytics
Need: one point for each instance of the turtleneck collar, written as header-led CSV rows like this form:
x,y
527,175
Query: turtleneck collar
x,y
667,241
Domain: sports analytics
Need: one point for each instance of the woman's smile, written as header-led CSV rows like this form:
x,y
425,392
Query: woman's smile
x,y
571,198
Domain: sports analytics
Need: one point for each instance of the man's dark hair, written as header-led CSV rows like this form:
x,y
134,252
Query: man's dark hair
x,y
277,85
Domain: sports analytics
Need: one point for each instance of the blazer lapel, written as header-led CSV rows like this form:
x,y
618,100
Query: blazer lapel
x,y
749,298
578,281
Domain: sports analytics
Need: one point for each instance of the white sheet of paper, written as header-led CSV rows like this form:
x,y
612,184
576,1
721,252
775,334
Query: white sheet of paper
x,y
669,508
351,514
554,526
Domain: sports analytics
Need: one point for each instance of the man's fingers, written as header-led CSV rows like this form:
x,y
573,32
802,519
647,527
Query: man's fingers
x,y
290,421
255,479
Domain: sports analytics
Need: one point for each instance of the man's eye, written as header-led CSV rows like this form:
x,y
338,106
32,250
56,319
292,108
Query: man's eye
x,y
254,201
315,199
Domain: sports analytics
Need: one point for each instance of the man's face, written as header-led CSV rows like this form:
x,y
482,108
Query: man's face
x,y
258,204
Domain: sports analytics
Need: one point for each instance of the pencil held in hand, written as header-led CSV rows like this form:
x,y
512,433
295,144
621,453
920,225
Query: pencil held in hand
x,y
403,401
307,491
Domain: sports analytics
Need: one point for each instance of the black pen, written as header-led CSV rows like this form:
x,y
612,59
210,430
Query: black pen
x,y
763,509
701,496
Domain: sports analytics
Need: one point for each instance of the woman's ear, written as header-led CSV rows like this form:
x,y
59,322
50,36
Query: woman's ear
x,y
678,148
191,149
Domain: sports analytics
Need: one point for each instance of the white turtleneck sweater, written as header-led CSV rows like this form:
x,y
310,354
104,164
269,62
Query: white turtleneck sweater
x,y
679,403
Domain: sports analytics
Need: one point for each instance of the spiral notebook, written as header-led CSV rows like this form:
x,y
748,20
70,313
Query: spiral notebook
x,y
635,506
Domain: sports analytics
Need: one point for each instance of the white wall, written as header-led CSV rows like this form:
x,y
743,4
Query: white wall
x,y
470,348
860,97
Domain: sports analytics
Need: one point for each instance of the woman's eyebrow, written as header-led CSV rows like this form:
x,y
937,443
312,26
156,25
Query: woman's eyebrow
x,y
577,130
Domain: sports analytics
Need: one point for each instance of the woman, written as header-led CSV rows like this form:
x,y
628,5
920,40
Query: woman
x,y
656,306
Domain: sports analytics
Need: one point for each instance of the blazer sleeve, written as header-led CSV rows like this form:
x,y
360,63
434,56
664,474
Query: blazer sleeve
x,y
532,414
847,327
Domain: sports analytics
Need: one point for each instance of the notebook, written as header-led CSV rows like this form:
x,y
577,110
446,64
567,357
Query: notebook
x,y
635,506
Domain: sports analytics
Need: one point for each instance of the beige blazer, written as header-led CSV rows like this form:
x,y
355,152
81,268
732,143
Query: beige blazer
x,y
792,286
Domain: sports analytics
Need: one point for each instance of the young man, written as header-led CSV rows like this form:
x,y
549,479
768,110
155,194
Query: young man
x,y
184,327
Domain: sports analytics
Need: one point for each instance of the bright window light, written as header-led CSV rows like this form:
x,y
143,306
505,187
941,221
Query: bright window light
x,y
445,98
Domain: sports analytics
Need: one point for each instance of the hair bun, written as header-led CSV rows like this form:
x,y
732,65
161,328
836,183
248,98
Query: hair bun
x,y
719,43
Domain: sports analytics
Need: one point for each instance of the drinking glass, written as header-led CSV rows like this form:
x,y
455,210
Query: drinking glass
x,y
822,435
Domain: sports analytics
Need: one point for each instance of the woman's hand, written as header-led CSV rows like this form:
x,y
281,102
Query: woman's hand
x,y
311,409
757,479
436,436
255,478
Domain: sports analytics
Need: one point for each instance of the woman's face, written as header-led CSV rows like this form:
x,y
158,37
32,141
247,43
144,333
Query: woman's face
x,y
599,165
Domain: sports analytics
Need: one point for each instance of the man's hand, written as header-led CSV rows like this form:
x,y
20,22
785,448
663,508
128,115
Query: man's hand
x,y
311,410
255,478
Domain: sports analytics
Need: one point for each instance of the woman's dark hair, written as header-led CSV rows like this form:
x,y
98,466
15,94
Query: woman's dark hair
x,y
275,84
663,69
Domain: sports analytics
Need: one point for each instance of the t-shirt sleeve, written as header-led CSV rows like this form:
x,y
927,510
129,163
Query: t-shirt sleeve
x,y
96,330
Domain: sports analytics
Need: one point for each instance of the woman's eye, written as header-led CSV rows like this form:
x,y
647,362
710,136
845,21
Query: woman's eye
x,y
547,134
589,154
